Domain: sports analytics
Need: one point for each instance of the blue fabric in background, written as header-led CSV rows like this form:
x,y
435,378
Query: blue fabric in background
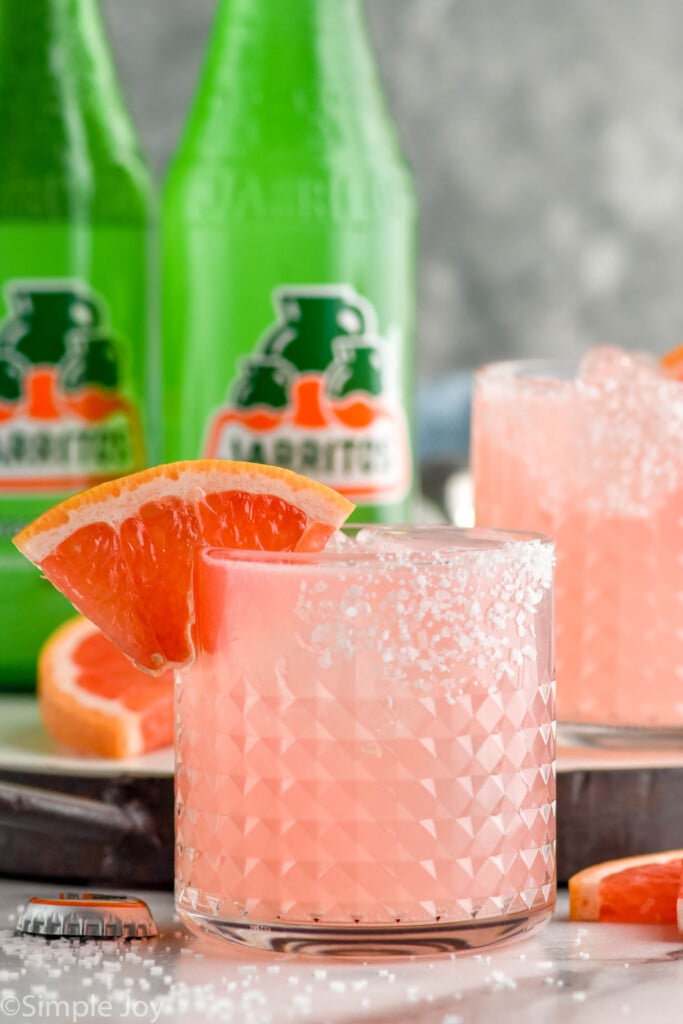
x,y
442,414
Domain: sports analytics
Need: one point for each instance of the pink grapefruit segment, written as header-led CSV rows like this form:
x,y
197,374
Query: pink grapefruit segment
x,y
122,552
93,700
635,890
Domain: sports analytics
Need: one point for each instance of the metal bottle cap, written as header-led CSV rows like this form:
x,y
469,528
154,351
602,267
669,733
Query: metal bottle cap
x,y
86,915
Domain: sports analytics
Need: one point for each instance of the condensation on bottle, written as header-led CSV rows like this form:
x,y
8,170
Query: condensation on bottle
x,y
288,257
76,345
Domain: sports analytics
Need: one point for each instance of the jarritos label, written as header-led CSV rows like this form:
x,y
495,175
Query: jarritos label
x,y
63,420
320,396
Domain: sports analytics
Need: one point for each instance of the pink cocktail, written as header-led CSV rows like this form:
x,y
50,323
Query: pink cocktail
x,y
594,458
365,748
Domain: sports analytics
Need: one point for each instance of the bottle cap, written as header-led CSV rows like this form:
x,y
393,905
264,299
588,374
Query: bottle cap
x,y
86,915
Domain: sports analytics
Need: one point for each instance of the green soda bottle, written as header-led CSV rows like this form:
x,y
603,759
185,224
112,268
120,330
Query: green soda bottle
x,y
288,252
75,215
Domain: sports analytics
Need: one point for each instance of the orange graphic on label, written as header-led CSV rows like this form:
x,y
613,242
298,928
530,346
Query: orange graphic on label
x,y
319,395
64,422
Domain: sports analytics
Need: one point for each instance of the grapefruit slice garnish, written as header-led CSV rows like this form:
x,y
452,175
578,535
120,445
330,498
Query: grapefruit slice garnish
x,y
673,362
93,700
633,890
122,552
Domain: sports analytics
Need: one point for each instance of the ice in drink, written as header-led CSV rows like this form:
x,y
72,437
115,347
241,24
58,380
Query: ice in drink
x,y
594,459
365,750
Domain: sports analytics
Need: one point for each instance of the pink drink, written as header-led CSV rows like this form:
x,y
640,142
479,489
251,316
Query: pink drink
x,y
596,462
365,752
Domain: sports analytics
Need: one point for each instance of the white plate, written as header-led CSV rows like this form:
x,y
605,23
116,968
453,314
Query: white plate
x,y
25,746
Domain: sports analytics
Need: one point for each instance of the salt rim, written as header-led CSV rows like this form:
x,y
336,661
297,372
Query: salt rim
x,y
615,431
533,551
447,623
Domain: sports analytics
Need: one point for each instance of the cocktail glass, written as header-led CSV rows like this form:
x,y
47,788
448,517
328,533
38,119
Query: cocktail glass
x,y
593,457
365,744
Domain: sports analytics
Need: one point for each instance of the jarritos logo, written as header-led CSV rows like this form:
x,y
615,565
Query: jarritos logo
x,y
320,396
63,421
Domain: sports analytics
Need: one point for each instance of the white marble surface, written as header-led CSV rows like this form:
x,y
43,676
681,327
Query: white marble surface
x,y
588,974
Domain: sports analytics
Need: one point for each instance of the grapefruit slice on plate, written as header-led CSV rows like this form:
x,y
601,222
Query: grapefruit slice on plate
x,y
633,890
122,552
93,700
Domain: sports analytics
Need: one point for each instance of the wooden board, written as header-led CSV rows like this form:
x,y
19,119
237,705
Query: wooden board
x,y
611,803
616,803
84,820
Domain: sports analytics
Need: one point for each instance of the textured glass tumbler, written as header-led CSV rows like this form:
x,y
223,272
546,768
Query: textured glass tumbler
x,y
593,458
365,744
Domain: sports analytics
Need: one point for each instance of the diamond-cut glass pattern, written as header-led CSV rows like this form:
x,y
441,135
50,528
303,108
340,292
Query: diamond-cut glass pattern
x,y
339,768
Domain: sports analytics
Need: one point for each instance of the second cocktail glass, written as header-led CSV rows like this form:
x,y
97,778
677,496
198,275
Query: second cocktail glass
x,y
365,746
592,456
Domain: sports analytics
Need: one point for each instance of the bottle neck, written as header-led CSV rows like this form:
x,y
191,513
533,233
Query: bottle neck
x,y
48,38
286,74
60,105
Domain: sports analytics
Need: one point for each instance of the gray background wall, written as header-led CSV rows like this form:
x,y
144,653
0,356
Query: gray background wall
x,y
546,138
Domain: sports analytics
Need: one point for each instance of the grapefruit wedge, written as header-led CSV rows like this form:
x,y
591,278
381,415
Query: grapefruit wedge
x,y
93,700
122,552
632,890
672,362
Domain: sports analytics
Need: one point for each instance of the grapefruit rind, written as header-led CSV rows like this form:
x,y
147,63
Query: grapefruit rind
x,y
123,551
80,720
189,481
584,886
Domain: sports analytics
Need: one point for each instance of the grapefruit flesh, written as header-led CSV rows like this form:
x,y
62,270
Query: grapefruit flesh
x,y
93,700
122,552
633,890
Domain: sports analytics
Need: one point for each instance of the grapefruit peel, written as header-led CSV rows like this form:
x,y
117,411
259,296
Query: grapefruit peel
x,y
93,701
181,480
122,552
655,888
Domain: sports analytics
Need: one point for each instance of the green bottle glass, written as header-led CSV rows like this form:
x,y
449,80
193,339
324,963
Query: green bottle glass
x,y
288,257
75,225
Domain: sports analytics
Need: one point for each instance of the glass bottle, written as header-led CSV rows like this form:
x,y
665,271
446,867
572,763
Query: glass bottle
x,y
75,355
288,251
